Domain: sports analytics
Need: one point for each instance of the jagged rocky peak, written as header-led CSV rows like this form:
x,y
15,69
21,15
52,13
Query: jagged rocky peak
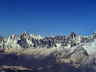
x,y
33,40
14,36
36,36
72,35
72,49
24,35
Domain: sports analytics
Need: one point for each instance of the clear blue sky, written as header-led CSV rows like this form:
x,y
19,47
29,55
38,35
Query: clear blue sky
x,y
50,16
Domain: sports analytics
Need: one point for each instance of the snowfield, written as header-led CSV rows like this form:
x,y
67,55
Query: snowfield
x,y
50,54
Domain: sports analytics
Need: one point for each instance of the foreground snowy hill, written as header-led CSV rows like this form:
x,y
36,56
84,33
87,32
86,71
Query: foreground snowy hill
x,y
71,53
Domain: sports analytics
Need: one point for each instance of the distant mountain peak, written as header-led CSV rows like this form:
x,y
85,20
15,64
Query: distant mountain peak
x,y
74,49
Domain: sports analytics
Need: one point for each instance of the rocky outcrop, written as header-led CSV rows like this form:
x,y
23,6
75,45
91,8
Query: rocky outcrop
x,y
26,40
68,53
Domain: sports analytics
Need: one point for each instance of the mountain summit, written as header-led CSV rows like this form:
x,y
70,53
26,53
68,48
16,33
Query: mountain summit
x,y
73,49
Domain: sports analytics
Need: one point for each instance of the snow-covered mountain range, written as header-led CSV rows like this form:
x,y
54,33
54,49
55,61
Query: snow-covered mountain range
x,y
74,49
26,40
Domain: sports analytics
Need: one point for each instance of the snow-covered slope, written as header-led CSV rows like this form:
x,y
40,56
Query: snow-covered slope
x,y
26,40
74,49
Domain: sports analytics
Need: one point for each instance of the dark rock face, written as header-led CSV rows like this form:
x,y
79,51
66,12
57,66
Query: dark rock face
x,y
26,40
48,42
23,43
70,49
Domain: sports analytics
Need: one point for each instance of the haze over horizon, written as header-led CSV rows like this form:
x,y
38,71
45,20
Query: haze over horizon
x,y
47,16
